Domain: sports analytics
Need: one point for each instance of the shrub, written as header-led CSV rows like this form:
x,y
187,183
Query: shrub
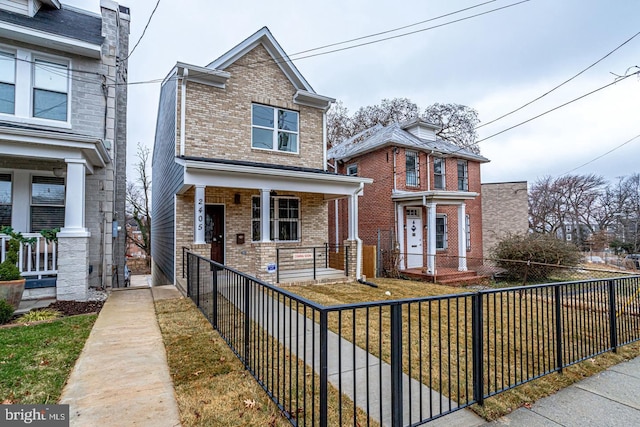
x,y
543,254
6,311
38,315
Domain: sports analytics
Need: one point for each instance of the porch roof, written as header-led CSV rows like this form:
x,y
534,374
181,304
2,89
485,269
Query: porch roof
x,y
434,196
250,175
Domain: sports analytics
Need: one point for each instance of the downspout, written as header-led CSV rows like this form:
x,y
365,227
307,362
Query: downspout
x,y
395,152
357,237
324,138
429,171
183,103
337,223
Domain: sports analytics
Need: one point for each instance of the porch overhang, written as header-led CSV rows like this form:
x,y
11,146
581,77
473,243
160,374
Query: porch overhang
x,y
41,144
433,196
255,176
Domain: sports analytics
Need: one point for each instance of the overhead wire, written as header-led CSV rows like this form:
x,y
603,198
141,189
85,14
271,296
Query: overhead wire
x,y
143,31
602,155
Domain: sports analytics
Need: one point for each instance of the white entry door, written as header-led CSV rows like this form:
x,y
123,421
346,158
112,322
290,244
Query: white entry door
x,y
414,238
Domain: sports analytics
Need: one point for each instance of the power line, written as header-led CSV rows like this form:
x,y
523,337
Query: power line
x,y
555,108
561,84
143,31
602,155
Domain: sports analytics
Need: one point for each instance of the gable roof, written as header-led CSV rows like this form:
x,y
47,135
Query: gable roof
x,y
263,36
394,134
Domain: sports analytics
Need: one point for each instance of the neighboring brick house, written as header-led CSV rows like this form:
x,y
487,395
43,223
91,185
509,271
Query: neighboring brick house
x,y
505,210
425,189
63,140
245,132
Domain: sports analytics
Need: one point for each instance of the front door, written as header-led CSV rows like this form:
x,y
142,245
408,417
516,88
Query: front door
x,y
214,231
414,238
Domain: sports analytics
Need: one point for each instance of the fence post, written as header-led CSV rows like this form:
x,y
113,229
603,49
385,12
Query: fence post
x,y
324,376
214,311
613,320
246,321
314,263
326,255
558,311
198,281
396,365
346,260
478,346
188,275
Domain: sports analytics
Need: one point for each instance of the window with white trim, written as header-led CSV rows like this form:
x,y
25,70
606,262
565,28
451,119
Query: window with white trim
x,y
5,199
467,227
463,176
285,219
7,83
413,174
274,129
441,232
352,170
47,202
50,89
438,173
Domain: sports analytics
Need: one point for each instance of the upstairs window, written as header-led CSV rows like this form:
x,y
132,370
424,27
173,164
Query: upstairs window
x,y
438,173
412,168
7,83
352,170
463,176
274,129
50,87
47,202
5,199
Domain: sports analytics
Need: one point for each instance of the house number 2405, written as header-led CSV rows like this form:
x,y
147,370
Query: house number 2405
x,y
200,217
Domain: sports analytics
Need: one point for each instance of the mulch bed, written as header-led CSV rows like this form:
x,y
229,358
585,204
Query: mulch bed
x,y
71,308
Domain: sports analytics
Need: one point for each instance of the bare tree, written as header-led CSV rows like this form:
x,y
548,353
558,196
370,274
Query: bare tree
x,y
138,201
458,124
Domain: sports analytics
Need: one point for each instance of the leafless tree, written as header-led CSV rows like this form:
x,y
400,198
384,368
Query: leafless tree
x,y
458,123
138,202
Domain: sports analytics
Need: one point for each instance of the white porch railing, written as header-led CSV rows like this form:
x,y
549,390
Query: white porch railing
x,y
35,260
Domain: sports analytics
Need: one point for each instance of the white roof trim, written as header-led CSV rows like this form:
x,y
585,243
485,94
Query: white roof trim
x,y
449,196
207,76
52,3
311,99
53,41
264,37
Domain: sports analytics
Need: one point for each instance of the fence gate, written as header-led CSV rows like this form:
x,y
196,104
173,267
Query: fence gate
x,y
386,259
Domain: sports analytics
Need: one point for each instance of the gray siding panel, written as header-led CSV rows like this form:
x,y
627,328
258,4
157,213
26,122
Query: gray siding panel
x,y
167,180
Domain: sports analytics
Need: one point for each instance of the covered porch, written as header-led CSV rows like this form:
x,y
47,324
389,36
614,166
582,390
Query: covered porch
x,y
222,208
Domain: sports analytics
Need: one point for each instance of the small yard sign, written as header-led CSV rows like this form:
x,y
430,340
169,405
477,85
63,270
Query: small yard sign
x,y
307,255
272,267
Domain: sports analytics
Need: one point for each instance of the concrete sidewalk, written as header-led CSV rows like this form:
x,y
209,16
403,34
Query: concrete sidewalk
x,y
122,377
610,398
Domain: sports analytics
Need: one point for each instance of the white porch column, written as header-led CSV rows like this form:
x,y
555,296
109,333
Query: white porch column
x,y
353,217
462,238
198,221
265,215
431,238
75,200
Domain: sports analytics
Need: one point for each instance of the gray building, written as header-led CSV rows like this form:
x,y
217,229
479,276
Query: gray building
x,y
63,142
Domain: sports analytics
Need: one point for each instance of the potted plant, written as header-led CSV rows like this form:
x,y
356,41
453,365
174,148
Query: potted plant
x,y
11,281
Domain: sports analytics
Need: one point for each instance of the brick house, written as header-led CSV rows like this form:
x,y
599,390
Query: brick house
x,y
63,141
426,190
245,132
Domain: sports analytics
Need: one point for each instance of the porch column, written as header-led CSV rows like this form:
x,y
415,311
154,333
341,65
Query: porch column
x,y
353,217
265,215
198,220
431,238
75,199
462,238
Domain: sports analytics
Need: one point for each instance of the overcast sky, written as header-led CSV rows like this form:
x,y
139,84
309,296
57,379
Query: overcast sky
x,y
494,63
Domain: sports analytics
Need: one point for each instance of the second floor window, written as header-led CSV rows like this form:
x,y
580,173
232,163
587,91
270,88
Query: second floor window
x,y
50,90
463,176
412,168
438,173
7,83
352,170
274,129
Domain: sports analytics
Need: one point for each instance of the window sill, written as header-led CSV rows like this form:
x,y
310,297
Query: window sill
x,y
34,121
266,150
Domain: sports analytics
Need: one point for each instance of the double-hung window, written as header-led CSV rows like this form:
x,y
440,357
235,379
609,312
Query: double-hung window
x,y
352,170
463,176
285,219
47,202
5,199
438,173
467,224
412,168
274,129
441,232
50,89
7,83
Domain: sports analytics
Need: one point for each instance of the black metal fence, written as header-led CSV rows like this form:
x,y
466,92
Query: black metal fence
x,y
297,263
406,362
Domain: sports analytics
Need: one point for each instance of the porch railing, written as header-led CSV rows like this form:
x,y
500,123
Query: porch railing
x,y
405,362
317,262
35,260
